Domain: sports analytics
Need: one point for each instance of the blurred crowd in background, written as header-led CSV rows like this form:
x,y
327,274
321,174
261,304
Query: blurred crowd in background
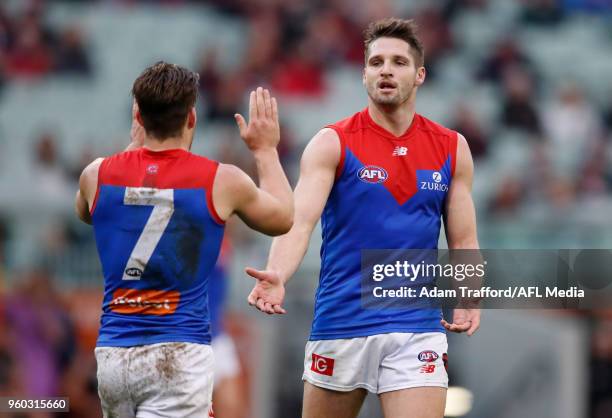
x,y
542,145
291,45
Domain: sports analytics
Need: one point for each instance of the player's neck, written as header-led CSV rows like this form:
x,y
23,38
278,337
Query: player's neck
x,y
155,144
396,120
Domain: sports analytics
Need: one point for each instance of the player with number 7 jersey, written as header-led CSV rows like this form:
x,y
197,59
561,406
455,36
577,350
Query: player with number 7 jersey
x,y
158,213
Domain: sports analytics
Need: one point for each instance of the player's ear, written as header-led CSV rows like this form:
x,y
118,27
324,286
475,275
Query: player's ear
x,y
138,117
363,77
192,118
134,108
420,76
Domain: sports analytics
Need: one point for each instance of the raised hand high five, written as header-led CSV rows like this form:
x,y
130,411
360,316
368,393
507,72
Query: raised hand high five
x,y
262,130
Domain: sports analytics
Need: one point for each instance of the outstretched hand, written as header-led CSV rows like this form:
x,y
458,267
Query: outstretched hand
x,y
464,320
268,293
263,130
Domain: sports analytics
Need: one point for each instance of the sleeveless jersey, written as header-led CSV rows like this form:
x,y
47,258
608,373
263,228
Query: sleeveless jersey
x,y
158,237
389,193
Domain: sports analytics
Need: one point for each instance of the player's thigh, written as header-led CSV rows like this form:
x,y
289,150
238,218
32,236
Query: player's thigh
x,y
414,360
227,398
228,390
420,402
227,363
325,403
112,369
173,380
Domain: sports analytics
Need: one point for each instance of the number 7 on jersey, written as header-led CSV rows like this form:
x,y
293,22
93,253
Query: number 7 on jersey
x,y
162,201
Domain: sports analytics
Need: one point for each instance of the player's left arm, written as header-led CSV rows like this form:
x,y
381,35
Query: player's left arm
x,y
460,227
88,184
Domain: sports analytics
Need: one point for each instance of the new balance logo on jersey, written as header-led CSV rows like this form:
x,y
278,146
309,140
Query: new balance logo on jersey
x,y
400,151
436,184
322,365
372,174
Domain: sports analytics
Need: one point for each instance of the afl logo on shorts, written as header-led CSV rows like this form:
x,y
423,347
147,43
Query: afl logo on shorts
x,y
322,365
372,174
428,356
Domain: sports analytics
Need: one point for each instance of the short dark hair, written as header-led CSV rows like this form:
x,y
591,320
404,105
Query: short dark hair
x,y
165,94
404,29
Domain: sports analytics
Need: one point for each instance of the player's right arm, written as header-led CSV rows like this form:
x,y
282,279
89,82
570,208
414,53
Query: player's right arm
x,y
317,173
269,207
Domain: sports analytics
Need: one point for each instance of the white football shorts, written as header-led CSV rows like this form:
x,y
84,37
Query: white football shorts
x,y
166,380
378,363
227,364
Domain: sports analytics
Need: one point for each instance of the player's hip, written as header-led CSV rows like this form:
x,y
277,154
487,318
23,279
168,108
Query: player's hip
x,y
117,330
378,363
174,376
350,320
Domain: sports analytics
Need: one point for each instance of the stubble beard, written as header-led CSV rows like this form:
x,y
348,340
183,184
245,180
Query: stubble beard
x,y
387,100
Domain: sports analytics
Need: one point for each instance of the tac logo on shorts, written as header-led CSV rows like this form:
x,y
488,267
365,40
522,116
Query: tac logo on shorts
x,y
372,174
145,302
428,356
322,365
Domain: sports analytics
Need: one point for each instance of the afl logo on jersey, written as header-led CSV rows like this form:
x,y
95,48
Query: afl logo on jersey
x,y
372,174
133,272
428,356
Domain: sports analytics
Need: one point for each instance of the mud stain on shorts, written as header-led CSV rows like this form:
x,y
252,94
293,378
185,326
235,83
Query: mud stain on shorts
x,y
107,389
167,363
110,404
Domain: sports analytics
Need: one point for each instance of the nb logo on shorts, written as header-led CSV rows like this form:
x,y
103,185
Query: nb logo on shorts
x,y
428,368
322,365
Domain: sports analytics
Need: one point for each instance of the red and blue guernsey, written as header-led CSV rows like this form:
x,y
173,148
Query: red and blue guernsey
x,y
389,193
158,237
